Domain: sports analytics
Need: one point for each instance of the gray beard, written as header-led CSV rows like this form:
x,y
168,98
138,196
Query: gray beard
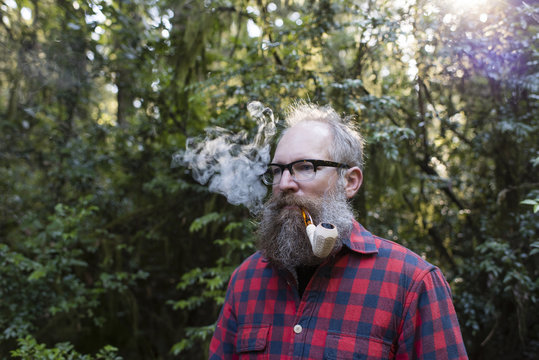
x,y
281,236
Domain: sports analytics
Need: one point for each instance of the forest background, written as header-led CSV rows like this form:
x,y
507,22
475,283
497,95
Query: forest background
x,y
108,252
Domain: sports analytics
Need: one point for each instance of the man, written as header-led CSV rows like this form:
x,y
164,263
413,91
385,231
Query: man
x,y
369,299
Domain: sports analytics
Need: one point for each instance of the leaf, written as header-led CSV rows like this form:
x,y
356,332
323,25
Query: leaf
x,y
37,274
203,221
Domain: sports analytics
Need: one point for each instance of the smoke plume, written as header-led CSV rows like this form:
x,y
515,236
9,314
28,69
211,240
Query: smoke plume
x,y
231,164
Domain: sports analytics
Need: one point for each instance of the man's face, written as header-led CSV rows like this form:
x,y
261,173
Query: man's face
x,y
281,235
306,140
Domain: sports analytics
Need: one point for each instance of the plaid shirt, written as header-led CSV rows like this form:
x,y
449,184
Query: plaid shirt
x,y
374,300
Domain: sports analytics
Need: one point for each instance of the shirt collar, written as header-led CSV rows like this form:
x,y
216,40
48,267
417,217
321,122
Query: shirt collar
x,y
361,240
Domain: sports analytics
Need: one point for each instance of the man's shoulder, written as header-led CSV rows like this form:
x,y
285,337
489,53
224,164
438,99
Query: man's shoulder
x,y
253,263
393,251
254,259
393,254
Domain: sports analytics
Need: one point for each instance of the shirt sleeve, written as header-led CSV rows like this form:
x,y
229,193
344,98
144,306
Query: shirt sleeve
x,y
431,329
223,342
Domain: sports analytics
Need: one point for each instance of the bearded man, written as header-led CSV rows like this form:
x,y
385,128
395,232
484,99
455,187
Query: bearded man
x,y
369,298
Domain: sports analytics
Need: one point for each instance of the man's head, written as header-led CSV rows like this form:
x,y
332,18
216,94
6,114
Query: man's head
x,y
347,144
322,188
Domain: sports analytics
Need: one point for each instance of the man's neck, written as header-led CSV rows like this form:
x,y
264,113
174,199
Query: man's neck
x,y
305,273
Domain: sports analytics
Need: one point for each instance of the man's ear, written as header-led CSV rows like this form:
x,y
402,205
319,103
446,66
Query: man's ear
x,y
354,179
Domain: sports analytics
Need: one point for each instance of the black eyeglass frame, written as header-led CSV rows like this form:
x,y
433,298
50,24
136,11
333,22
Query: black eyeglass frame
x,y
315,162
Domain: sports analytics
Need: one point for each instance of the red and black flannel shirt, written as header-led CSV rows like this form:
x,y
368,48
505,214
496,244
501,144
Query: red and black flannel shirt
x,y
374,300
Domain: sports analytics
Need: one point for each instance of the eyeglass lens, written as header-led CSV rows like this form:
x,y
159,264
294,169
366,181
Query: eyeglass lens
x,y
300,171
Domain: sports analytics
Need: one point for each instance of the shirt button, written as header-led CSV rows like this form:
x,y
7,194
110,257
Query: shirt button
x,y
298,329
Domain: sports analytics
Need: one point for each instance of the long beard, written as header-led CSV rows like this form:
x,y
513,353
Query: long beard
x,y
281,236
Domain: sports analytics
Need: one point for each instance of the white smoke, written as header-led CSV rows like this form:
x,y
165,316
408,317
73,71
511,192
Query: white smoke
x,y
232,163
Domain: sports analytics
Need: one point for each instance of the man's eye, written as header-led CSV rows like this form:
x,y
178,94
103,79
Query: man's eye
x,y
304,167
275,171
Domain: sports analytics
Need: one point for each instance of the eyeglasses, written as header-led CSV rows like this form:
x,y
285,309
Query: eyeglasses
x,y
300,170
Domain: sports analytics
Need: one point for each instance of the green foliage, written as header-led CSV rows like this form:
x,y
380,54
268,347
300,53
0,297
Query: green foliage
x,y
101,243
39,273
533,202
29,349
211,282
194,335
532,199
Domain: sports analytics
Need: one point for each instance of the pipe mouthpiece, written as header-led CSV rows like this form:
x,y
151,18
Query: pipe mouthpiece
x,y
307,219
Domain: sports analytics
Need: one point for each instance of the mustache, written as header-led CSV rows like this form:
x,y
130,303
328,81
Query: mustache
x,y
281,201
281,206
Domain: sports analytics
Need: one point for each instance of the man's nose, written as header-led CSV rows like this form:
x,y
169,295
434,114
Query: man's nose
x,y
287,182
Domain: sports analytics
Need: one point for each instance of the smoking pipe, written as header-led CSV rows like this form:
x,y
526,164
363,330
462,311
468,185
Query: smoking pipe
x,y
322,237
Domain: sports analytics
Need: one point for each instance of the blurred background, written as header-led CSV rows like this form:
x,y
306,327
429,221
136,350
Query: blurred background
x,y
107,252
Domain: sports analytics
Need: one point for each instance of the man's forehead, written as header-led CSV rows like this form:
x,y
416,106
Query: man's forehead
x,y
307,139
309,128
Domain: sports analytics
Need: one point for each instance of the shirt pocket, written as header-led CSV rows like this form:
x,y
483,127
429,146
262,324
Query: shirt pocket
x,y
252,341
346,347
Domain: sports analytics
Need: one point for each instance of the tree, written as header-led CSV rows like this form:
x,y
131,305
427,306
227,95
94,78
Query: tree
x,y
103,244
